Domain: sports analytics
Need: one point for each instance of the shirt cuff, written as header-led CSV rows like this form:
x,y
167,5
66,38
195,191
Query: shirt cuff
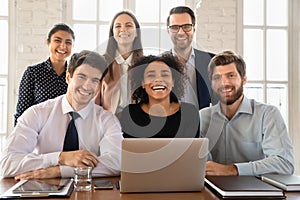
x,y
51,159
244,169
66,171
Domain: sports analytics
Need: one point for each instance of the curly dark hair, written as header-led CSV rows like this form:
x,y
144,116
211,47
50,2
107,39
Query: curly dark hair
x,y
136,76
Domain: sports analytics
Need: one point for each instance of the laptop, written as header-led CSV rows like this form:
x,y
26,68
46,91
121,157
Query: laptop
x,y
163,164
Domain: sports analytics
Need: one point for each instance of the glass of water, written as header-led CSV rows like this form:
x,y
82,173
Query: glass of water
x,y
83,178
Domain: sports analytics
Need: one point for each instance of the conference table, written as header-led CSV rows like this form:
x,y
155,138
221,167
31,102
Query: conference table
x,y
114,194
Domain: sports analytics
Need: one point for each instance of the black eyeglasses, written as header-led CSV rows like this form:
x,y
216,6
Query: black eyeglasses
x,y
185,28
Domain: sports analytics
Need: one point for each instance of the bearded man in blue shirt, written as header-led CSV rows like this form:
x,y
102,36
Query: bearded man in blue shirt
x,y
246,137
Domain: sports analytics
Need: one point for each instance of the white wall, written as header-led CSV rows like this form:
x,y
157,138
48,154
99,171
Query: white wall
x,y
217,25
32,20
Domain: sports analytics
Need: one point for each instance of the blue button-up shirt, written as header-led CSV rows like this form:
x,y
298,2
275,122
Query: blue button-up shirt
x,y
255,140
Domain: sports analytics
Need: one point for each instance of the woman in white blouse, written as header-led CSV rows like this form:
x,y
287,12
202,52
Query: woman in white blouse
x,y
123,49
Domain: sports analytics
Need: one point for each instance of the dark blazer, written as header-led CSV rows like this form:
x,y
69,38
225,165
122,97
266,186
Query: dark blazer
x,y
204,91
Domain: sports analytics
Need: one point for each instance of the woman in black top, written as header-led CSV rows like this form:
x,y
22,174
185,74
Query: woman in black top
x,y
157,82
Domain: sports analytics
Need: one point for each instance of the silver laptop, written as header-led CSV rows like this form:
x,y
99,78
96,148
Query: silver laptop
x,y
163,164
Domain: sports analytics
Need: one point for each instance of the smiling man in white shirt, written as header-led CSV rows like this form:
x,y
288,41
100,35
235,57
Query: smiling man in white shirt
x,y
35,147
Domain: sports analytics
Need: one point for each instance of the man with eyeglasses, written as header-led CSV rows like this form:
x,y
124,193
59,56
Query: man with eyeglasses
x,y
181,28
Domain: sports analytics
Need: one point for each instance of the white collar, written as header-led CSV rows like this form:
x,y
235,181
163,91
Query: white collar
x,y
83,113
120,60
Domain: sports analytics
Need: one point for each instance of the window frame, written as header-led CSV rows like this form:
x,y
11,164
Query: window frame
x,y
10,96
130,5
264,27
293,86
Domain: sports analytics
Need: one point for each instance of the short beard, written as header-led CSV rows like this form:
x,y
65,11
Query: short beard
x,y
238,94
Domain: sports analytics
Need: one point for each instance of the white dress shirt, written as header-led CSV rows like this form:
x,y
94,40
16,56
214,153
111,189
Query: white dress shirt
x,y
190,88
38,138
125,92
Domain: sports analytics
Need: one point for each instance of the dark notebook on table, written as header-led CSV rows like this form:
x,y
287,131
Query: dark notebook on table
x,y
285,182
242,187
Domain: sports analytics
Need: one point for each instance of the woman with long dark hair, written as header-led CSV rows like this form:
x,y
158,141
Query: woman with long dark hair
x,y
47,80
123,49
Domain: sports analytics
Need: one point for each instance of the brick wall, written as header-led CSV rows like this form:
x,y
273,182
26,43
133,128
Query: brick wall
x,y
216,25
33,18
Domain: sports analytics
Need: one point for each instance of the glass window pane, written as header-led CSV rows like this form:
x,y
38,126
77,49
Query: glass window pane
x,y
3,47
254,91
277,12
151,51
103,38
4,7
83,10
150,39
277,61
3,105
277,96
147,11
109,8
165,41
86,37
253,12
166,6
253,53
